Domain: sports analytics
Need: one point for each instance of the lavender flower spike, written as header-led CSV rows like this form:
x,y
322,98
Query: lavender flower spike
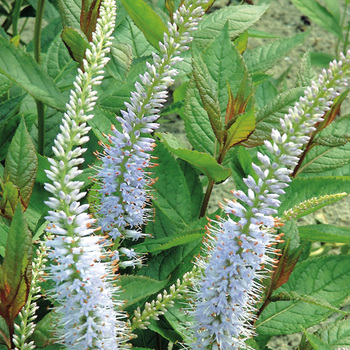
x,y
238,248
122,175
86,311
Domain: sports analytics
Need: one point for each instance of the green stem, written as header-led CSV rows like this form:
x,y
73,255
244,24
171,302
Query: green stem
x,y
37,51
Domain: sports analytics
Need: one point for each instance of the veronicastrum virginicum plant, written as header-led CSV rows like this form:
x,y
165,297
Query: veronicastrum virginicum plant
x,y
135,258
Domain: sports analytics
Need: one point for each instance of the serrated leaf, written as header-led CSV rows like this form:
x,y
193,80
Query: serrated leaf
x,y
209,96
305,74
170,190
136,288
302,189
320,15
263,57
121,58
70,12
225,66
147,20
76,43
127,32
4,333
202,161
59,65
9,120
4,230
21,163
326,278
10,197
157,245
285,296
239,18
16,268
21,68
324,158
315,342
44,331
336,335
325,233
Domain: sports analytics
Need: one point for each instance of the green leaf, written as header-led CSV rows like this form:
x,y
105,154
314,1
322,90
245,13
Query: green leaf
x,y
157,245
88,17
324,157
325,233
4,333
306,74
239,18
336,335
121,58
9,120
16,268
326,278
240,129
209,96
202,161
320,15
21,68
4,230
128,33
9,200
76,43
21,163
136,288
321,59
285,296
171,194
263,57
302,189
44,331
70,12
146,20
225,66
59,64
316,342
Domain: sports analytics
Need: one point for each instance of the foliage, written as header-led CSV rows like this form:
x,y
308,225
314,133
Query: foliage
x,y
229,102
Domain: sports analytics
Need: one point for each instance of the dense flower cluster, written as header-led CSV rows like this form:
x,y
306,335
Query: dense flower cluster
x,y
87,316
238,247
126,155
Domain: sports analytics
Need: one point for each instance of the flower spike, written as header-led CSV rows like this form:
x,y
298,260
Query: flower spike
x,y
239,245
86,311
126,156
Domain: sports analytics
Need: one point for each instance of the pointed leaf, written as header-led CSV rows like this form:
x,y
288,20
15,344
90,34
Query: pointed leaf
x,y
325,233
240,130
209,97
239,18
21,163
337,334
266,56
16,268
76,43
316,342
202,161
320,15
88,17
70,12
21,68
136,288
9,200
121,58
147,20
325,278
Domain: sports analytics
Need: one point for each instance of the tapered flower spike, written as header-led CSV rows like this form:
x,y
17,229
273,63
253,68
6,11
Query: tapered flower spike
x,y
238,246
127,154
87,311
